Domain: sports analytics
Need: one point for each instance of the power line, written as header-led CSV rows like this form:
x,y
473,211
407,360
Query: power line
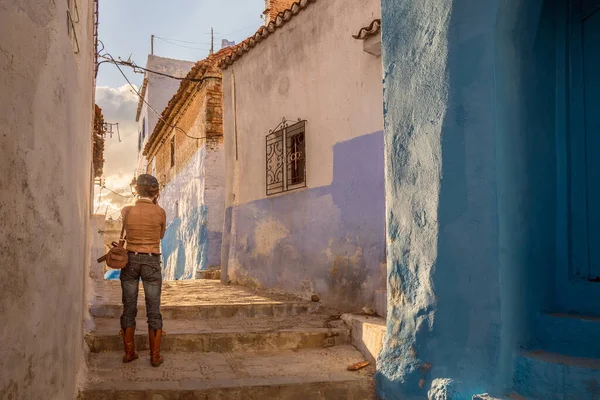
x,y
180,41
181,45
103,186
131,64
136,68
118,194
237,31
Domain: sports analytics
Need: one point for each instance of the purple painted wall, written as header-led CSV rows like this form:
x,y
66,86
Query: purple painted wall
x,y
328,240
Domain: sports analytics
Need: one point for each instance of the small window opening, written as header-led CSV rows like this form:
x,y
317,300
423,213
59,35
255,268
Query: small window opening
x,y
173,151
144,129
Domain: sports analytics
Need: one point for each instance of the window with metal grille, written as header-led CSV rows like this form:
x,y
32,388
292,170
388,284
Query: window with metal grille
x,y
286,158
173,151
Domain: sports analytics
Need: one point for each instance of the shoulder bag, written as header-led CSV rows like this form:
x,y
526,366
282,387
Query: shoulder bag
x,y
117,257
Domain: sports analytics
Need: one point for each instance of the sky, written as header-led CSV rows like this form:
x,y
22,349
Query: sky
x,y
182,29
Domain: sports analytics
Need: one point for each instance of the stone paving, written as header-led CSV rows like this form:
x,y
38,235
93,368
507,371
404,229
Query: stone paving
x,y
195,293
226,342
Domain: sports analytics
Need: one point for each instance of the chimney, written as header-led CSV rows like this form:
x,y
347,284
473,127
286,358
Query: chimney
x,y
226,43
274,7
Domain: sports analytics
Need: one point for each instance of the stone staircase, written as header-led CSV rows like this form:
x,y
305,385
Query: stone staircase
x,y
225,342
564,363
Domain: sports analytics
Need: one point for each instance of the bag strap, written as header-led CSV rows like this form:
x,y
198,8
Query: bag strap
x,y
123,237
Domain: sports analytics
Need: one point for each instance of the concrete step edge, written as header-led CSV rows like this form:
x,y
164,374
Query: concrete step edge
x,y
214,310
275,389
220,342
540,375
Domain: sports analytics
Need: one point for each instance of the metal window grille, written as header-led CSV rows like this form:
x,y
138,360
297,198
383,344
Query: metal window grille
x,y
286,158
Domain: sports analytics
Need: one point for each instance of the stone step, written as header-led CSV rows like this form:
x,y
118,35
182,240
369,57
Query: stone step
x,y
229,334
205,311
569,334
203,299
549,376
283,375
367,334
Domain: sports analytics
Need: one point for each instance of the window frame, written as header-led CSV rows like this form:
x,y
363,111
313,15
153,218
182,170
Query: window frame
x,y
279,155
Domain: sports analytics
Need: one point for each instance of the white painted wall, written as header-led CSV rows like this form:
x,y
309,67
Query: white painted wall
x,y
329,238
46,99
214,198
182,199
312,69
159,91
194,201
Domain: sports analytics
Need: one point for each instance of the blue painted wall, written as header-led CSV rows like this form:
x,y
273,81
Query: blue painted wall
x,y
328,240
186,241
185,247
470,191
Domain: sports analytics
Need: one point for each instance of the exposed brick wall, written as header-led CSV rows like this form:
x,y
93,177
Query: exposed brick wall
x,y
274,7
202,118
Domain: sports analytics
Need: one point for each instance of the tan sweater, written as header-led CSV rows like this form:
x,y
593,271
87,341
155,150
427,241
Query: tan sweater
x,y
145,226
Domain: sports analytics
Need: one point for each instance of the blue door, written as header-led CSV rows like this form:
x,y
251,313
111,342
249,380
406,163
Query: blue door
x,y
590,29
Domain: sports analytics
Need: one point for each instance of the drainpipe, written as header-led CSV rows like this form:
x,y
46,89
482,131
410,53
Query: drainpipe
x,y
235,131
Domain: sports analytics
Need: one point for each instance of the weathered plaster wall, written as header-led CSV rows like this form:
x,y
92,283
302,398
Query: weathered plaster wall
x,y
193,191
159,91
46,109
184,246
328,238
214,198
468,100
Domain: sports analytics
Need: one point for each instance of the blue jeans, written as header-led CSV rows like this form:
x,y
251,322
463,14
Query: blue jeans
x,y
147,268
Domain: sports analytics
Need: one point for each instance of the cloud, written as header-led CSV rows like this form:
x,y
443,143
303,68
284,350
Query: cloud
x,y
119,105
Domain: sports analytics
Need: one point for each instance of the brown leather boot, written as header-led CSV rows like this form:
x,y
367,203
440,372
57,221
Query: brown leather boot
x,y
129,345
155,357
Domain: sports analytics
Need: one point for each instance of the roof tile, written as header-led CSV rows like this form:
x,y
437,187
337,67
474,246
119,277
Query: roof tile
x,y
264,32
185,90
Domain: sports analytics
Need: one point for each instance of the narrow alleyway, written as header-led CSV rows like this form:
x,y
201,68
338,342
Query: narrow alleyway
x,y
226,342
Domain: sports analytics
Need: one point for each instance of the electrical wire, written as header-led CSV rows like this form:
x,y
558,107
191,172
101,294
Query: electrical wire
x,y
103,186
177,40
130,64
235,32
136,68
118,194
181,45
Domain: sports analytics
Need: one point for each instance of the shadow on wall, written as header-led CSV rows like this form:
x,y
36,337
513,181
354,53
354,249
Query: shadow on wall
x,y
327,240
495,214
186,241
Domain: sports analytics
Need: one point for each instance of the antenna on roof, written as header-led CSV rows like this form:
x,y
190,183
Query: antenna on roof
x,y
212,40
152,44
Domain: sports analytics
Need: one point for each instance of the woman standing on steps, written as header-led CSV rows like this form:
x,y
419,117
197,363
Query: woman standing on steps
x,y
145,224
